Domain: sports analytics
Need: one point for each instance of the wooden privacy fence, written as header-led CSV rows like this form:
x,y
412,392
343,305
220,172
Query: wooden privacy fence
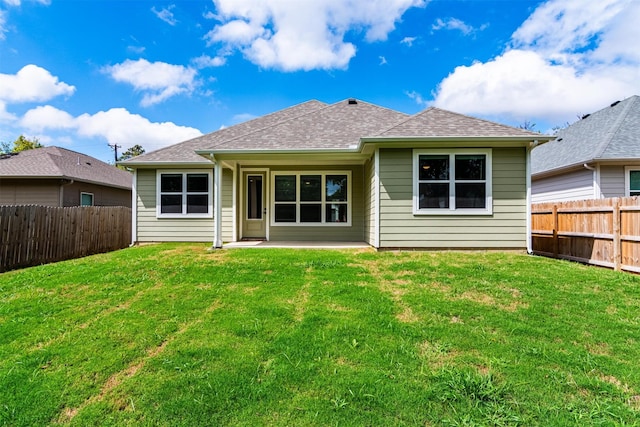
x,y
604,232
33,235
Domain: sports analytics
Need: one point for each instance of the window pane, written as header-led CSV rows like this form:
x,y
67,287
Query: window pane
x,y
471,195
197,203
434,168
336,213
336,188
311,213
197,182
86,199
634,181
433,196
471,167
171,183
171,204
285,213
310,188
285,188
254,197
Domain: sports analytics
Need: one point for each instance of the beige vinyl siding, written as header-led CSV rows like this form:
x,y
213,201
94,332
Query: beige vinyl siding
x,y
327,232
505,228
612,181
576,185
369,202
152,229
29,192
227,205
102,195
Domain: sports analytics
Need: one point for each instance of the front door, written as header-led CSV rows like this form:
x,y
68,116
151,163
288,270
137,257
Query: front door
x,y
254,224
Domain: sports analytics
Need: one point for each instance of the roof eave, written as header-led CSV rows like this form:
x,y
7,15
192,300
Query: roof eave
x,y
453,138
67,178
166,163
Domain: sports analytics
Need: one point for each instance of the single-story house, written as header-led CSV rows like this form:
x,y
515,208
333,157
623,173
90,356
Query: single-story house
x,y
344,172
596,157
54,176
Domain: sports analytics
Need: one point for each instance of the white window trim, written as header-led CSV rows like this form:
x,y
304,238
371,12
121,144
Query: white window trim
x,y
184,172
87,194
452,210
323,201
627,179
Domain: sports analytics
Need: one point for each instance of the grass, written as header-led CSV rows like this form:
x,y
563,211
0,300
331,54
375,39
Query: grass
x,y
174,335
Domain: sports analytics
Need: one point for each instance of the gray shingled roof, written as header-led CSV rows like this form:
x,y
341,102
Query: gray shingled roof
x,y
435,122
185,152
612,133
56,162
336,126
315,125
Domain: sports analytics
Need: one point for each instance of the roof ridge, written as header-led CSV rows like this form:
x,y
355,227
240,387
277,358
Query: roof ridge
x,y
324,107
488,121
616,126
406,119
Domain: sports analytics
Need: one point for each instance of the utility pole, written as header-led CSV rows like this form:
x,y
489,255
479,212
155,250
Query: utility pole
x,y
115,147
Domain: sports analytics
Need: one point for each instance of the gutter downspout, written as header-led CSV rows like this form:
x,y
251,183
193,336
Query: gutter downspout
x,y
595,181
134,208
217,204
531,146
64,184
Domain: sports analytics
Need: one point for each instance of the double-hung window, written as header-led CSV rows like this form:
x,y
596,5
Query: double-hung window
x,y
184,194
452,181
311,198
632,181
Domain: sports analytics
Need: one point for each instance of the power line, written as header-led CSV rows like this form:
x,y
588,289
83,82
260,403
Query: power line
x,y
115,147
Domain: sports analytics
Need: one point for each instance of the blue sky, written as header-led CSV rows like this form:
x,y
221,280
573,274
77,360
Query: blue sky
x,y
82,74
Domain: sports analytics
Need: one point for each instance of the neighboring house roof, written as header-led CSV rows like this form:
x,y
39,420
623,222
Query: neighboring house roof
x,y
56,162
612,133
316,126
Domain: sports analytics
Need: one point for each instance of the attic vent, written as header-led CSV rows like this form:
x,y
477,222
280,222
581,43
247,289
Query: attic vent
x,y
585,116
615,103
352,101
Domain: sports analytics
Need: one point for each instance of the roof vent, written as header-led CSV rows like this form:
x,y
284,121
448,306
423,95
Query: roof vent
x,y
585,116
615,103
560,139
352,101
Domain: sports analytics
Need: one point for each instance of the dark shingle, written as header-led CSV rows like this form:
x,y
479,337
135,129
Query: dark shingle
x,y
609,134
56,162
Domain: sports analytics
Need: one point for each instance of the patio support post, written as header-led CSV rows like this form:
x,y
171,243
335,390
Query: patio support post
x,y
217,205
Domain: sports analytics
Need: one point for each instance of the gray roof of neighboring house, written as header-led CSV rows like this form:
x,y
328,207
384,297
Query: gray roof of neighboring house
x,y
612,133
315,125
56,162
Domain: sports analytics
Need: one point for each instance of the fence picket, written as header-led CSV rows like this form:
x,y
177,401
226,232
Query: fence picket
x,y
604,232
33,235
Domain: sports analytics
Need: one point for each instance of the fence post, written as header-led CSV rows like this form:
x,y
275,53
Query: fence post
x,y
556,243
617,241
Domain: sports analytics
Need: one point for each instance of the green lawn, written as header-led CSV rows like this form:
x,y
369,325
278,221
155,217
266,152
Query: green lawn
x,y
176,335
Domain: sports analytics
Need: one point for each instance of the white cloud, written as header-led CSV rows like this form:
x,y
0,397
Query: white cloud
x,y
158,80
6,116
32,84
408,41
294,35
383,60
116,126
452,24
3,23
205,61
568,57
12,2
165,14
418,98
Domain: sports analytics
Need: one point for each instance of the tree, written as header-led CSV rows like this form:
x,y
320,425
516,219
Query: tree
x,y
21,144
527,125
134,151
